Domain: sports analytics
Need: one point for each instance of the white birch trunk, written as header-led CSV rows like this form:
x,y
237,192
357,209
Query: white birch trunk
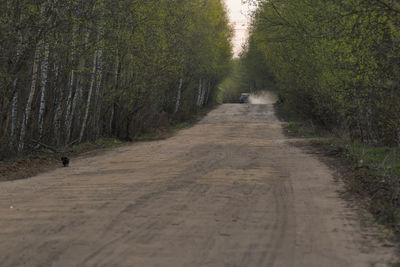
x,y
28,107
89,97
14,114
178,96
69,99
98,93
14,107
115,87
77,95
203,93
99,74
57,117
57,114
72,113
72,76
199,94
77,112
99,71
44,74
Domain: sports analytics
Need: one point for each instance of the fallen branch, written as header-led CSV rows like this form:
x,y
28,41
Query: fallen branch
x,y
73,142
46,146
55,150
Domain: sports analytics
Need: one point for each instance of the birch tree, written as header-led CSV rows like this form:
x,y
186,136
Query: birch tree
x,y
78,92
44,73
146,59
68,118
28,106
89,98
199,92
178,96
334,62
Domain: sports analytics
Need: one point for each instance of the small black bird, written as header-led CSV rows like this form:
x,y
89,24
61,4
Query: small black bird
x,y
65,161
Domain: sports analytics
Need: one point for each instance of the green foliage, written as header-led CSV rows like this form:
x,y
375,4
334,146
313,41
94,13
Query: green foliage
x,y
293,127
181,125
385,160
335,62
234,84
142,50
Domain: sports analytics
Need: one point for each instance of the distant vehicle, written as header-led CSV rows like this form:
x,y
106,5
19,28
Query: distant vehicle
x,y
244,98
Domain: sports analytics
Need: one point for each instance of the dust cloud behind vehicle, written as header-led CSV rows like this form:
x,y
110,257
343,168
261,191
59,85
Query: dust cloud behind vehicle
x,y
262,98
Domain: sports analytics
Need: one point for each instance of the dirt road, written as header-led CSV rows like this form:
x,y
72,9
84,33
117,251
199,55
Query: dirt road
x,y
230,191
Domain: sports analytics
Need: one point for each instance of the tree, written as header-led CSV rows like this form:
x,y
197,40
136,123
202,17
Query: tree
x,y
335,62
105,68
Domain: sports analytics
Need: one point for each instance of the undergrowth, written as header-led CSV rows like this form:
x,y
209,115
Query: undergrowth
x,y
99,143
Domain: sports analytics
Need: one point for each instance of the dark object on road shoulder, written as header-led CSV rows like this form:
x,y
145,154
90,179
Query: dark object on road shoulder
x,y
65,161
244,98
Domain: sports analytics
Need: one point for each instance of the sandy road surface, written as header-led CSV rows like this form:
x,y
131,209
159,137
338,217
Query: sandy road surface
x,y
230,191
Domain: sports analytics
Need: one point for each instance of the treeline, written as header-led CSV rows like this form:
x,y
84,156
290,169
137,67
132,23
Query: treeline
x,y
234,84
76,70
336,62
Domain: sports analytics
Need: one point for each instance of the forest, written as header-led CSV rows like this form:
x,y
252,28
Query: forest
x,y
76,70
334,62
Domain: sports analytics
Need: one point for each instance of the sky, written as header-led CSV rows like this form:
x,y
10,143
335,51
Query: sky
x,y
238,14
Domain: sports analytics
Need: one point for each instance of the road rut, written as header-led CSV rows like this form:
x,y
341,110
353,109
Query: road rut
x,y
229,191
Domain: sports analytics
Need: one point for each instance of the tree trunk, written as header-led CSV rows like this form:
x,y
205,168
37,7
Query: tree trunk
x,y
44,72
14,106
199,94
116,75
89,97
14,114
203,93
28,107
68,123
57,117
98,93
178,97
77,95
72,76
43,79
59,95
